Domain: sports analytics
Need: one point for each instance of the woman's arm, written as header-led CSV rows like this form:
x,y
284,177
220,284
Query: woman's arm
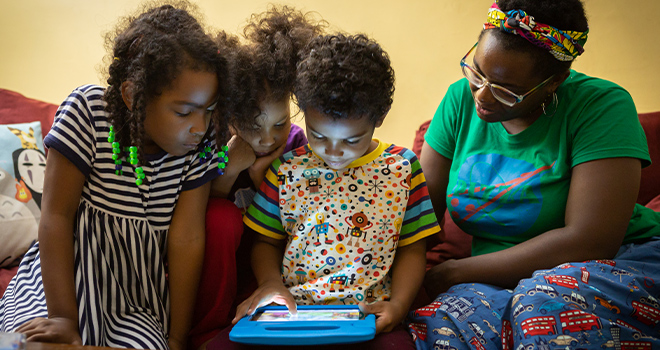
x,y
63,184
600,203
185,252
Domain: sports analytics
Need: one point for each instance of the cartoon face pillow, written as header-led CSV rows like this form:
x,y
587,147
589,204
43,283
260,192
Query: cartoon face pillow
x,y
22,169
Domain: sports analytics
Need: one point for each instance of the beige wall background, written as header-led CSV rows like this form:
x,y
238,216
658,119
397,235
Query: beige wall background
x,y
50,47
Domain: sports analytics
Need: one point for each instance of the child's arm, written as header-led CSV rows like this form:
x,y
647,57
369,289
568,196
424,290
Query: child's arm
x,y
258,170
63,184
185,252
267,254
407,275
241,156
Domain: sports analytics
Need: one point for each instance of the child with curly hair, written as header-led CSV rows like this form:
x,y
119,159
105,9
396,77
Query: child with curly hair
x,y
263,71
121,238
262,64
354,211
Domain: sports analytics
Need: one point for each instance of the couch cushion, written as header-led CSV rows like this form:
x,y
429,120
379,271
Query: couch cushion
x,y
419,138
22,169
451,243
650,184
654,203
16,108
6,274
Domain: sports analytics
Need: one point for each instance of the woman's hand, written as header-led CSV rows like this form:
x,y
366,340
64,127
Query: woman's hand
x,y
438,279
51,330
388,314
269,292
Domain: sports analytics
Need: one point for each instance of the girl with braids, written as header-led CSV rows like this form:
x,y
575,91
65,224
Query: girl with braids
x,y
128,175
541,165
262,64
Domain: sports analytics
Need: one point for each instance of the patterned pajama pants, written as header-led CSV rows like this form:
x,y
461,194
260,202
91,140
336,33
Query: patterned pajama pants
x,y
597,304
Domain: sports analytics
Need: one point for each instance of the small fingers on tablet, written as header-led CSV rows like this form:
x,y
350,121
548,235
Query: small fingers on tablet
x,y
243,309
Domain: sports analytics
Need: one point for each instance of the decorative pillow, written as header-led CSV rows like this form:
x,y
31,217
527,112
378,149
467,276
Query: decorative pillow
x,y
22,168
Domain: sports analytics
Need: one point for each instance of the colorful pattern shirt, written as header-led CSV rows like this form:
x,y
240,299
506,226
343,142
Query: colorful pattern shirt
x,y
343,226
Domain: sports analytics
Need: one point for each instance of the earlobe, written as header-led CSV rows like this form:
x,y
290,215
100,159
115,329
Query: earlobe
x,y
561,78
127,94
380,120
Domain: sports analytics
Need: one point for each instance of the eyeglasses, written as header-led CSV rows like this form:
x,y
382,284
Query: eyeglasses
x,y
501,93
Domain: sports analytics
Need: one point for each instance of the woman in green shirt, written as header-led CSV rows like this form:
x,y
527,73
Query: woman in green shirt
x,y
541,165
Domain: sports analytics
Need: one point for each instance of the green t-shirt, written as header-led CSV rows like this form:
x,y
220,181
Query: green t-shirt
x,y
505,189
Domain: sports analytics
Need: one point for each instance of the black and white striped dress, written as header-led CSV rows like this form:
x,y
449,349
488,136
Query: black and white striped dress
x,y
120,234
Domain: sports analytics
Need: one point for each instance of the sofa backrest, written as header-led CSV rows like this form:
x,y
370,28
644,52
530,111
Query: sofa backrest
x,y
650,186
16,108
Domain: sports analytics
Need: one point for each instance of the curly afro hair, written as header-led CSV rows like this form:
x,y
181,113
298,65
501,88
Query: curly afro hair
x,y
345,76
562,14
150,50
263,67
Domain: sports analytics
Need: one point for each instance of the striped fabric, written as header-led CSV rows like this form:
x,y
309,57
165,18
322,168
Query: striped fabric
x,y
342,226
120,234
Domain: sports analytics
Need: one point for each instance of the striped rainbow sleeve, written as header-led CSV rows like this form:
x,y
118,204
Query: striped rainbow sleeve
x,y
420,220
263,215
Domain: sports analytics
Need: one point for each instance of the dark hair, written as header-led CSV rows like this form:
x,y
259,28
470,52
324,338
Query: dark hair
x,y
150,50
264,67
345,77
565,15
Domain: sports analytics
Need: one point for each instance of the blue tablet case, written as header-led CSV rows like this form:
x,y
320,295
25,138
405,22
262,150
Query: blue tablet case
x,y
307,332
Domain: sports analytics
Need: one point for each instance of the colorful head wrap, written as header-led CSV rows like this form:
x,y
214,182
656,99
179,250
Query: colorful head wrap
x,y
564,45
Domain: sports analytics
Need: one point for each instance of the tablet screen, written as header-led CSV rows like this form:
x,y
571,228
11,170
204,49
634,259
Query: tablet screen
x,y
307,315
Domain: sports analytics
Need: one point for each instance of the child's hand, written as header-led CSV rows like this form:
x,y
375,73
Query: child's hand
x,y
241,155
388,314
258,169
269,292
51,330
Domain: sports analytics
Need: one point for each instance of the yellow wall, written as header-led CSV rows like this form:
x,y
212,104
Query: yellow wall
x,y
49,47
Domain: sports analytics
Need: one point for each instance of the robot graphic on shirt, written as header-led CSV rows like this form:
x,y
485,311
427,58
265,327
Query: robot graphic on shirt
x,y
322,229
282,178
337,281
395,236
312,175
356,227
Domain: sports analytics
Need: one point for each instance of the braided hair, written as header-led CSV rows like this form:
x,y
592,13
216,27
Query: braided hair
x,y
150,50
